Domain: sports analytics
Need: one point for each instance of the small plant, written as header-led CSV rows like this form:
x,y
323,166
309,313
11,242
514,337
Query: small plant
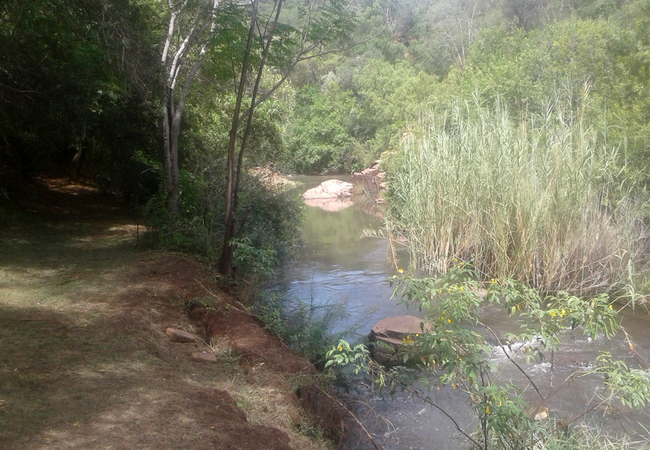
x,y
305,326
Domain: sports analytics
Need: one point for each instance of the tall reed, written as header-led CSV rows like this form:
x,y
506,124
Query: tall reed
x,y
542,199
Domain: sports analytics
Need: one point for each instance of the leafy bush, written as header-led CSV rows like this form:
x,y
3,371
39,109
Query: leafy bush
x,y
269,223
305,326
451,351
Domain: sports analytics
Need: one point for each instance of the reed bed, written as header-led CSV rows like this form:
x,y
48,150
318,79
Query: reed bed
x,y
543,199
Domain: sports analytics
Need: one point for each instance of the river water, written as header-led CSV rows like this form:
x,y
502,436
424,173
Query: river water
x,y
339,265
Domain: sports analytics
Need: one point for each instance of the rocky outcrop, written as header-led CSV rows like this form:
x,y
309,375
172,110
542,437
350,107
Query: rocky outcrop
x,y
330,189
389,334
271,178
372,178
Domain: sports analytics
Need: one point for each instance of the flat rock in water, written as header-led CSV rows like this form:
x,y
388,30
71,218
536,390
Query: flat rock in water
x,y
396,327
388,334
330,189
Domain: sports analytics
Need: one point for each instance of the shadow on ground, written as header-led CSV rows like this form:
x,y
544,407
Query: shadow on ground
x,y
85,362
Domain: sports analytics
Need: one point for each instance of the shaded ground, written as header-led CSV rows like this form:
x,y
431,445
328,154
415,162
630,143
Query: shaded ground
x,y
84,359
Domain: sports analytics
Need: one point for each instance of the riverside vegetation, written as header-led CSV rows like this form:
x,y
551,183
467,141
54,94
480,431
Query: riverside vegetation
x,y
537,212
514,134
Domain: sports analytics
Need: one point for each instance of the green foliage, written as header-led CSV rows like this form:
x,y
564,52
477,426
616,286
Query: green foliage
x,y
450,351
344,354
268,219
320,140
542,200
76,76
631,386
358,112
268,230
303,325
254,260
519,69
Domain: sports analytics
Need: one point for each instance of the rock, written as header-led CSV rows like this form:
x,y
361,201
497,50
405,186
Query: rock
x,y
539,412
388,335
372,178
204,357
180,336
397,327
542,414
271,179
331,189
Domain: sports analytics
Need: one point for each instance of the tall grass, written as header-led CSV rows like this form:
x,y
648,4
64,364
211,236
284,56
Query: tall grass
x,y
541,199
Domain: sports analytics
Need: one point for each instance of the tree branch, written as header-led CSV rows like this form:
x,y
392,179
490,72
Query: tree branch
x,y
298,59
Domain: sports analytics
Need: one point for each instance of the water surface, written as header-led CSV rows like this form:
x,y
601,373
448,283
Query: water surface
x,y
339,265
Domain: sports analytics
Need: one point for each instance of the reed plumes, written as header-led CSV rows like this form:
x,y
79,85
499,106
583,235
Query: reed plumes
x,y
542,199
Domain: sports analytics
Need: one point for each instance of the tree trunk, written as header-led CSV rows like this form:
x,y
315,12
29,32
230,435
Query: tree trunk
x,y
199,34
225,261
171,132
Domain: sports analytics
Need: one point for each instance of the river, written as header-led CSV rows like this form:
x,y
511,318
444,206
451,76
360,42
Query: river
x,y
339,265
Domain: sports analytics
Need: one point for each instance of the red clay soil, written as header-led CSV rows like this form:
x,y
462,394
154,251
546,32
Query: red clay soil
x,y
248,340
234,431
128,304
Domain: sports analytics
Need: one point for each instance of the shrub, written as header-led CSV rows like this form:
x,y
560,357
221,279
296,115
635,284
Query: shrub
x,y
453,350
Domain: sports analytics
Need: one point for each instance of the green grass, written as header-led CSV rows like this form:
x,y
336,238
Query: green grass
x,y
541,200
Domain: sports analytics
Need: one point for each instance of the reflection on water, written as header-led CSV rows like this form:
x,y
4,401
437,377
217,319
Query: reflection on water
x,y
339,265
330,204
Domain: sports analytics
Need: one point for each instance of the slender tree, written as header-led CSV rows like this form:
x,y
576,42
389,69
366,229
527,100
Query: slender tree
x,y
225,262
323,26
192,27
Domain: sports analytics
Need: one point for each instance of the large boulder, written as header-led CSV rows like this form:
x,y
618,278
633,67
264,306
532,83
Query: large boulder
x,y
332,189
389,334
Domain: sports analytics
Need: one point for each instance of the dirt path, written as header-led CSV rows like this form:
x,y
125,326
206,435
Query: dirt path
x,y
84,358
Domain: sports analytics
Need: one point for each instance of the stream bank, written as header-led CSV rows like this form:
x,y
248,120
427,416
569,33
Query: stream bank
x,y
86,361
